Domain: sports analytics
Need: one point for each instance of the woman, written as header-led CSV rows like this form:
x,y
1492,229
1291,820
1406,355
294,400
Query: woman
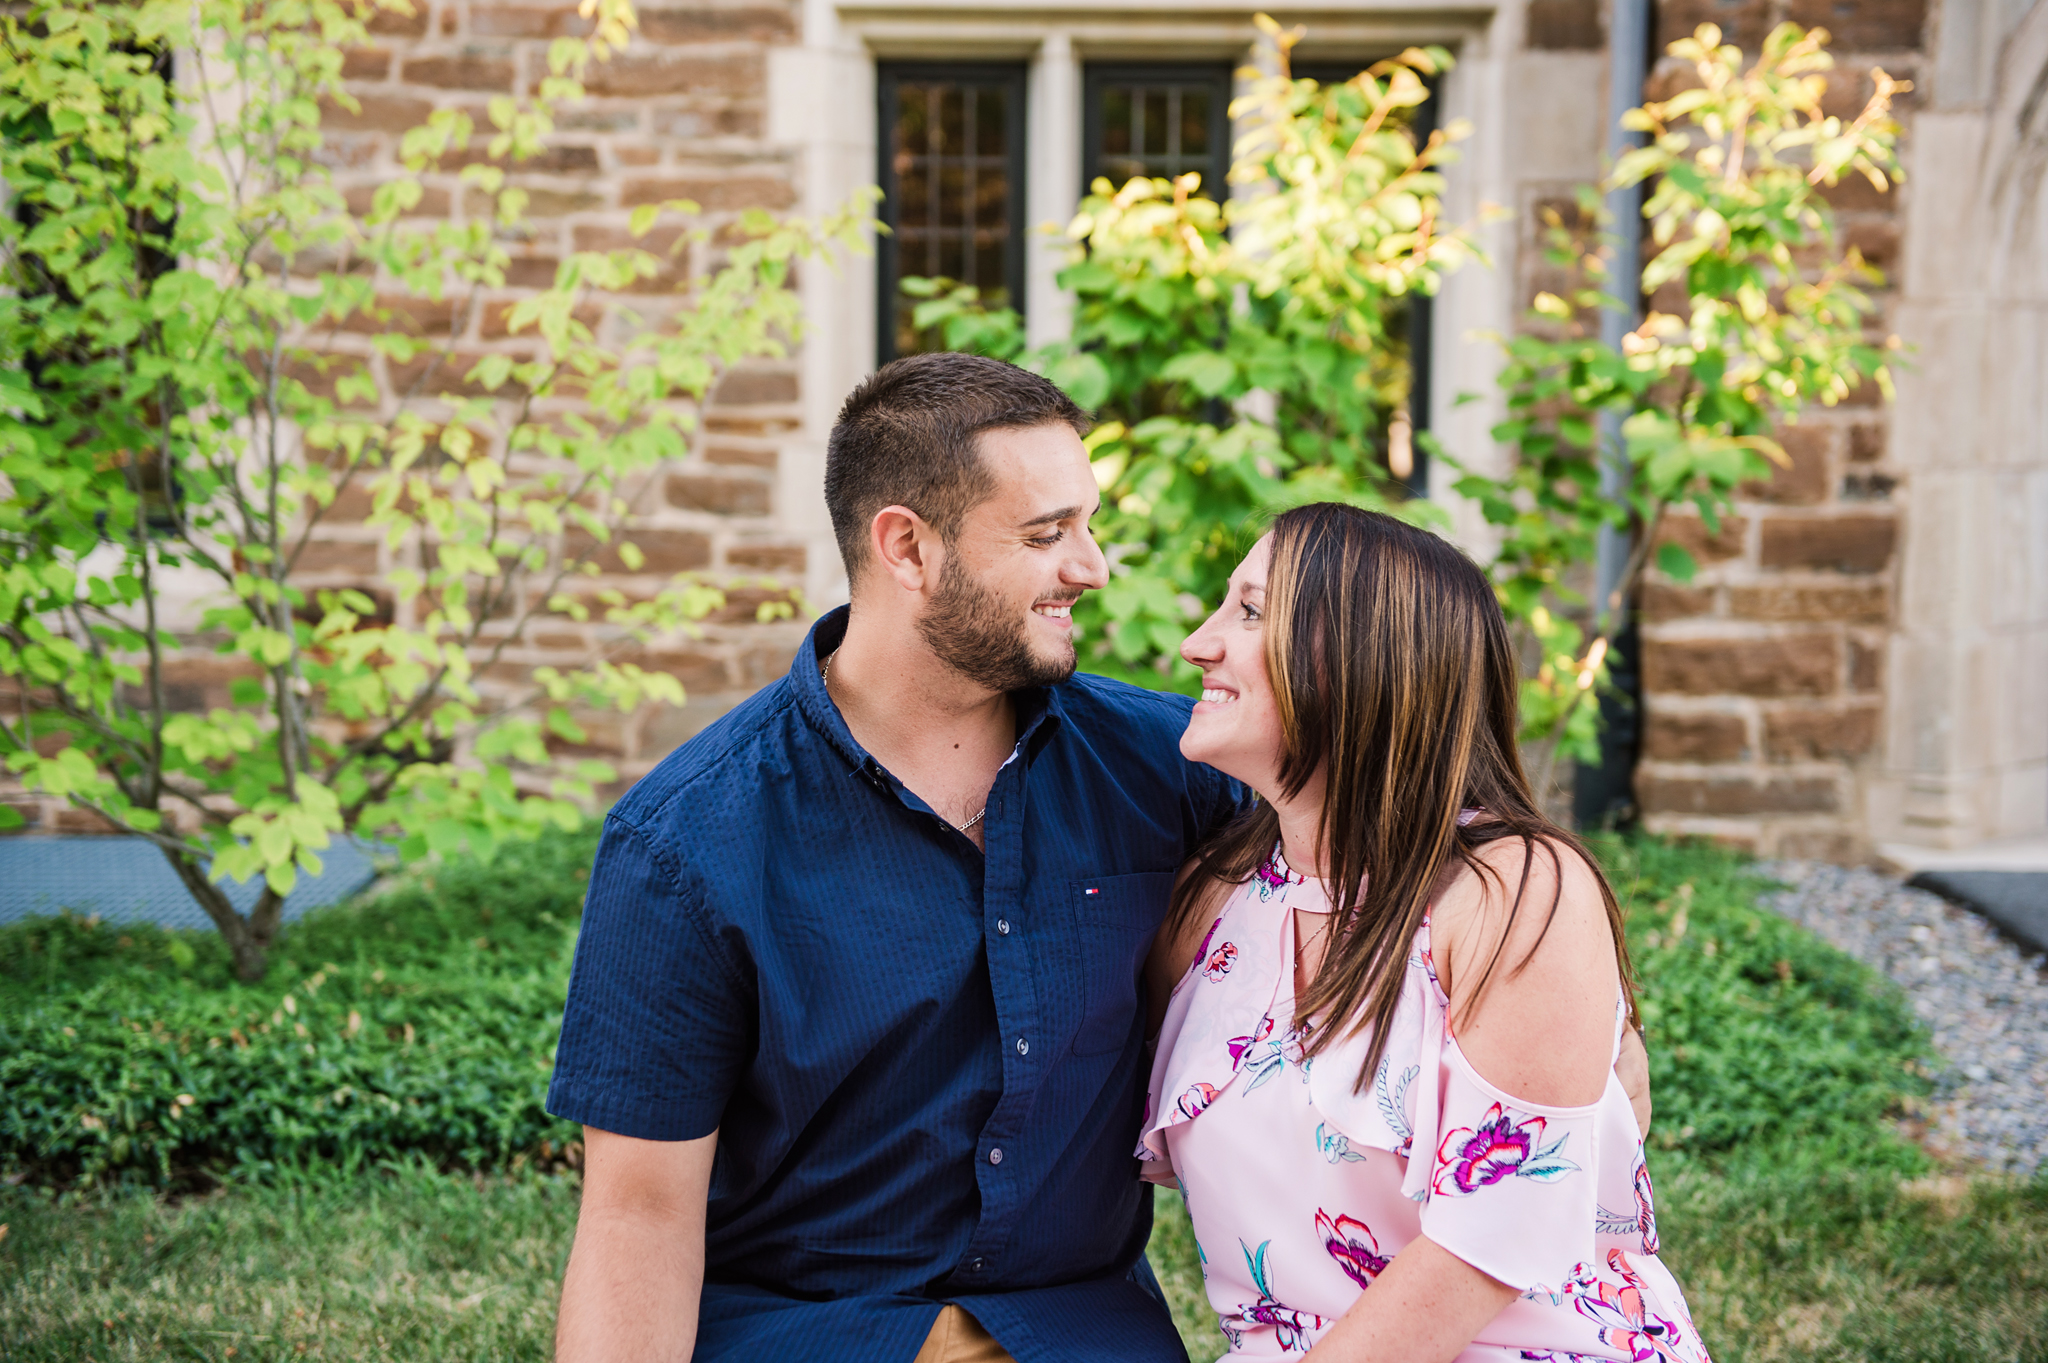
x,y
1385,1071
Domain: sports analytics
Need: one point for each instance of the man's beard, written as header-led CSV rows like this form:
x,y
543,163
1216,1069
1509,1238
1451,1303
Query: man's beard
x,y
974,632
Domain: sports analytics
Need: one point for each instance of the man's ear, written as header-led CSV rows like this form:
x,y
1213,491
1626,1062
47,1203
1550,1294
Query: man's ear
x,y
906,548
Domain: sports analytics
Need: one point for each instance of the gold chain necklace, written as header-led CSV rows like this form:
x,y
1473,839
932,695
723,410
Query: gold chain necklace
x,y
825,680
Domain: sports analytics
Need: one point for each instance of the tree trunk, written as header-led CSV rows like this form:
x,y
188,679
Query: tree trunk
x,y
248,938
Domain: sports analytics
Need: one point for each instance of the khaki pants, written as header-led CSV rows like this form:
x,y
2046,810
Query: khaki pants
x,y
957,1337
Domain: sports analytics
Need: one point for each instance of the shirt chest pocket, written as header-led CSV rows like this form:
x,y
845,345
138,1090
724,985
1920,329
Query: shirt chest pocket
x,y
1115,918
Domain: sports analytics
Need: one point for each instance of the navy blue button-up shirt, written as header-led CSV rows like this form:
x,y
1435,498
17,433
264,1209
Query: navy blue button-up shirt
x,y
925,1063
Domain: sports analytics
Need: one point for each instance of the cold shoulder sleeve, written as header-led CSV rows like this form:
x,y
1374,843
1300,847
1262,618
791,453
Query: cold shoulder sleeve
x,y
1510,1186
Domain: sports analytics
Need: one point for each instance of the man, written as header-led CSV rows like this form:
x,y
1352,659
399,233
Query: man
x,y
854,1025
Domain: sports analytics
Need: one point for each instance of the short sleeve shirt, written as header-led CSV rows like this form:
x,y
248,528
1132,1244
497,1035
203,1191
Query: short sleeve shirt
x,y
925,1062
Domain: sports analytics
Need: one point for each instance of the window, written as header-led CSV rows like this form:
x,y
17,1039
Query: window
x,y
952,177
1160,121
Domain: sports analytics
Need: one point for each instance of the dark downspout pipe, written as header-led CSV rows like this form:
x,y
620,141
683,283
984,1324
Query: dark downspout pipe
x,y
1604,794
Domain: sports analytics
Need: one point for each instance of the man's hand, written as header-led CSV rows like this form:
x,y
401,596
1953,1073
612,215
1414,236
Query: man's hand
x,y
637,1268
1632,1066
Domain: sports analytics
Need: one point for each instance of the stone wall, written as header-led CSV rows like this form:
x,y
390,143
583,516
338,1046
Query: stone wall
x,y
1764,677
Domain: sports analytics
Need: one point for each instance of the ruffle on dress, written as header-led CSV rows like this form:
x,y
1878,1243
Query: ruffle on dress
x,y
1515,1189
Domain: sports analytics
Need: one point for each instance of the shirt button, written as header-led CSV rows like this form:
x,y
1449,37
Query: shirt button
x,y
976,1264
995,1156
1003,926
1023,1046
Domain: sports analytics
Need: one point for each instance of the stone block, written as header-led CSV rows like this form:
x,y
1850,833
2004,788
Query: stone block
x,y
70,820
1743,23
1865,25
1852,193
727,496
1866,664
1694,738
384,22
375,113
1866,442
1822,844
641,74
496,322
527,21
1862,603
542,202
738,454
1803,480
673,24
743,604
753,387
1690,532
430,373
361,199
366,63
666,551
767,558
759,666
531,272
671,264
1797,733
1865,486
338,556
1564,26
1806,664
1737,793
1878,240
460,71
732,120
697,669
730,193
1860,543
406,316
1661,601
199,684
636,156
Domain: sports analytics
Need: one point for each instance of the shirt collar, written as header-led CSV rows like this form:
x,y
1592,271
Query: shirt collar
x,y
1039,712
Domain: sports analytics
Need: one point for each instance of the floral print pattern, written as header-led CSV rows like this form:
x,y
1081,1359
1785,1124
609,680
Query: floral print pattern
x,y
1557,1202
1293,1330
1350,1242
1628,1320
1500,1147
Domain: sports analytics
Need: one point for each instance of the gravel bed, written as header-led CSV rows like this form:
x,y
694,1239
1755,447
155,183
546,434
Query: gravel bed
x,y
1985,1002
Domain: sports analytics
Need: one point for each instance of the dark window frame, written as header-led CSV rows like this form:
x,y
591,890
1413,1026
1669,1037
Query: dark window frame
x,y
889,77
1220,76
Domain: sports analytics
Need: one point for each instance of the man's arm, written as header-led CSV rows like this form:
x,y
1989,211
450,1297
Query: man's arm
x,y
637,1268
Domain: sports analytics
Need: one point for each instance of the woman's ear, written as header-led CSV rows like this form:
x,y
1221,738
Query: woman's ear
x,y
906,548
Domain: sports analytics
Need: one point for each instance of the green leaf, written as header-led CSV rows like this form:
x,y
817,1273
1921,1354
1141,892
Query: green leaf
x,y
1676,562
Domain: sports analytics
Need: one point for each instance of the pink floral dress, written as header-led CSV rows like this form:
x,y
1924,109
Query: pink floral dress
x,y
1302,1190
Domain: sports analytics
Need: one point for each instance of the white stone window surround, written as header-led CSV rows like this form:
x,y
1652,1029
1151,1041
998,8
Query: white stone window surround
x,y
821,98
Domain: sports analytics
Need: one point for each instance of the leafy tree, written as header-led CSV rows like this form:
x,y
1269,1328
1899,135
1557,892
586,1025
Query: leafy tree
x,y
175,262
1773,319
1241,354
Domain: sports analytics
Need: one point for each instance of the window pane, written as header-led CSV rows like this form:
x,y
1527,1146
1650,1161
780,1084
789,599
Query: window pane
x,y
1116,121
951,201
1155,121
1194,122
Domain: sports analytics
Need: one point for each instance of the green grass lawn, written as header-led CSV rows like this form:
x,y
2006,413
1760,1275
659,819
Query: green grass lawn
x,y
1799,1221
415,1264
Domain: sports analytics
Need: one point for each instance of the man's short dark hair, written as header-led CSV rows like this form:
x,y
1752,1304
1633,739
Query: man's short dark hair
x,y
907,437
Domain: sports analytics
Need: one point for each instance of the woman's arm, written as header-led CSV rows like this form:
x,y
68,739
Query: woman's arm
x,y
1424,1307
1173,950
1539,1025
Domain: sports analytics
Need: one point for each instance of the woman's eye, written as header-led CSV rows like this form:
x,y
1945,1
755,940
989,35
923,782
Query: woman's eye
x,y
1251,612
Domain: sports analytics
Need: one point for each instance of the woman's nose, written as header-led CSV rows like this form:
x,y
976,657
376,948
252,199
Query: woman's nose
x,y
1200,648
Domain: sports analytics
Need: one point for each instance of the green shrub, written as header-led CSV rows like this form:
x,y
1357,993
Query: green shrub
x,y
421,1020
1765,1042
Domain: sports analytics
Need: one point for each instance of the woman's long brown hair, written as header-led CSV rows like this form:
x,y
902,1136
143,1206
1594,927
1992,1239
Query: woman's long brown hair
x,y
1394,676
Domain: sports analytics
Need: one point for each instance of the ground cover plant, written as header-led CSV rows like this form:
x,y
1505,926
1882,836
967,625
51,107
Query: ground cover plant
x,y
420,1021
1802,1223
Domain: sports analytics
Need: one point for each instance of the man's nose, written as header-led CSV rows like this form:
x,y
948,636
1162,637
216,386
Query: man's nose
x,y
1089,566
